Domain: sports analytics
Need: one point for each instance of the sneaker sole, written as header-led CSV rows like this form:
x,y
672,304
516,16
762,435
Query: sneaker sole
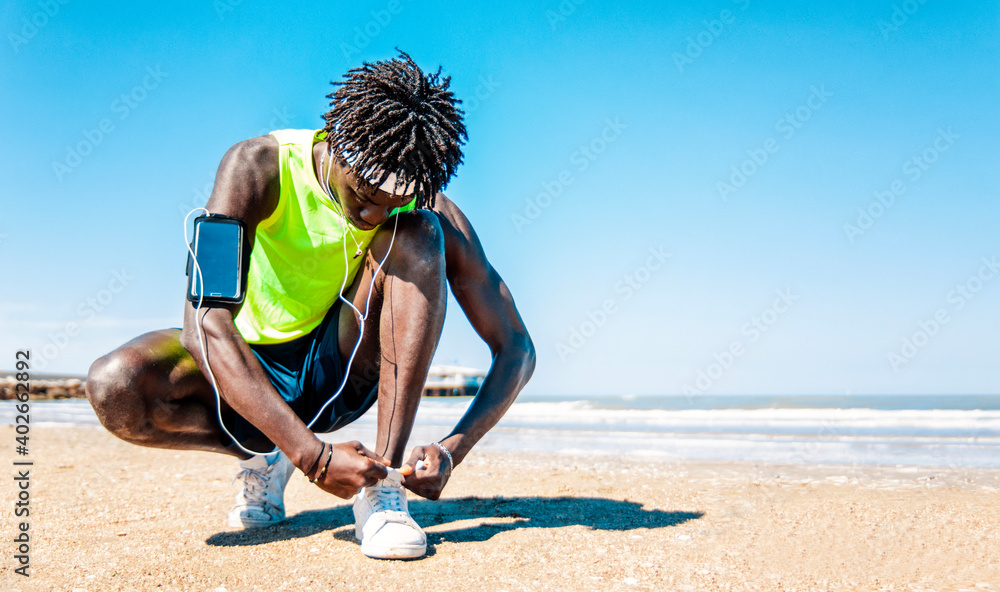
x,y
394,552
247,525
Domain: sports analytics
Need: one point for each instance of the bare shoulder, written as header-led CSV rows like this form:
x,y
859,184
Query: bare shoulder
x,y
246,184
464,252
442,204
453,220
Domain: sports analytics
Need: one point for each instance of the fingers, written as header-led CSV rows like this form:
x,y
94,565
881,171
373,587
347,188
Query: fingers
x,y
429,488
374,472
375,466
370,453
410,464
415,465
341,492
337,488
352,466
428,478
417,454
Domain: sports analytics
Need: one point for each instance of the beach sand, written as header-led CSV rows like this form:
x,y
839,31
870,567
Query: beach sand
x,y
107,515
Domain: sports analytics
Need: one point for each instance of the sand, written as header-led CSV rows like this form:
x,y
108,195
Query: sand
x,y
107,515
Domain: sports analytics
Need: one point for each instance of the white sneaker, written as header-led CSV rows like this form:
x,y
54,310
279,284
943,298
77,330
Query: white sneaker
x,y
261,502
383,524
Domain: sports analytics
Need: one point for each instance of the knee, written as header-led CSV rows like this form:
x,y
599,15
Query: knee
x,y
111,391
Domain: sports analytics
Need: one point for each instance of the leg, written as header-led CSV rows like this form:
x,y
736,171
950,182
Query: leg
x,y
404,323
150,392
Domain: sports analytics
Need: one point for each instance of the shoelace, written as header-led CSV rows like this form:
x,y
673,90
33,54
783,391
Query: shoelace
x,y
252,479
386,498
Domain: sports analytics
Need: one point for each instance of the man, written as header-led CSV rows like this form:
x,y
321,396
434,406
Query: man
x,y
349,214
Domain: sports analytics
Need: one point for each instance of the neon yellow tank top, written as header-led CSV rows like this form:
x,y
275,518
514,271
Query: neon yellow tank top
x,y
297,262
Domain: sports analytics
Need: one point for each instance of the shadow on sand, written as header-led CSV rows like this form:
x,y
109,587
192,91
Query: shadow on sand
x,y
516,512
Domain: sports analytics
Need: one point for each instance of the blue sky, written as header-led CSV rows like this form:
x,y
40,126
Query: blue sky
x,y
721,197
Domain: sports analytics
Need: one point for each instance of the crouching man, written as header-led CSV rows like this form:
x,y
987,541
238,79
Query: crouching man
x,y
352,249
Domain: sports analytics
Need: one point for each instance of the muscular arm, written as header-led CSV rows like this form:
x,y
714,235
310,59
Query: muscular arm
x,y
246,187
490,308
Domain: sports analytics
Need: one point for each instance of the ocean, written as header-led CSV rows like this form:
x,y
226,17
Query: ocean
x,y
951,431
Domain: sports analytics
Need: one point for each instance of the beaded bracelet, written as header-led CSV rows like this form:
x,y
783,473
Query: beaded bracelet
x,y
315,462
327,465
323,470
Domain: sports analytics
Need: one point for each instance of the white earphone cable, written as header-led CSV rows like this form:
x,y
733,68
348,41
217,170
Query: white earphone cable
x,y
361,317
201,339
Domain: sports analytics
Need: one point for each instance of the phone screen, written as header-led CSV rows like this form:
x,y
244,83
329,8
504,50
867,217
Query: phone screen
x,y
218,247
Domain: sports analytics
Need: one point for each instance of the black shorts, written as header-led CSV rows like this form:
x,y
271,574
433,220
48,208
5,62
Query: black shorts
x,y
306,372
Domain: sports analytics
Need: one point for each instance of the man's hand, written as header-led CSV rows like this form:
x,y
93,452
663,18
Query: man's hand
x,y
430,480
352,466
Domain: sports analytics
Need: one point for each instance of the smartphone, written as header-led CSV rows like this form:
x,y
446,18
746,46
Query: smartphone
x,y
218,248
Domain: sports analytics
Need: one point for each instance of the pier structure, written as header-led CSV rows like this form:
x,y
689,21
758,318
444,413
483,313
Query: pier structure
x,y
442,381
453,381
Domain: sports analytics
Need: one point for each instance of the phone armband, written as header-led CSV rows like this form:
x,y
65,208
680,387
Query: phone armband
x,y
216,272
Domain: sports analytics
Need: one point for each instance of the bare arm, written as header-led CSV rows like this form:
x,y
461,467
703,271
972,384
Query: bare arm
x,y
246,188
490,308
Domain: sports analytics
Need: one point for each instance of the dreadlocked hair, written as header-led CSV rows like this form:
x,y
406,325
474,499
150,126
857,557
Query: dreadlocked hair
x,y
392,118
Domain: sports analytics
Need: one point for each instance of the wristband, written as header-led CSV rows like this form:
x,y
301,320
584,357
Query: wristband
x,y
326,466
316,462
